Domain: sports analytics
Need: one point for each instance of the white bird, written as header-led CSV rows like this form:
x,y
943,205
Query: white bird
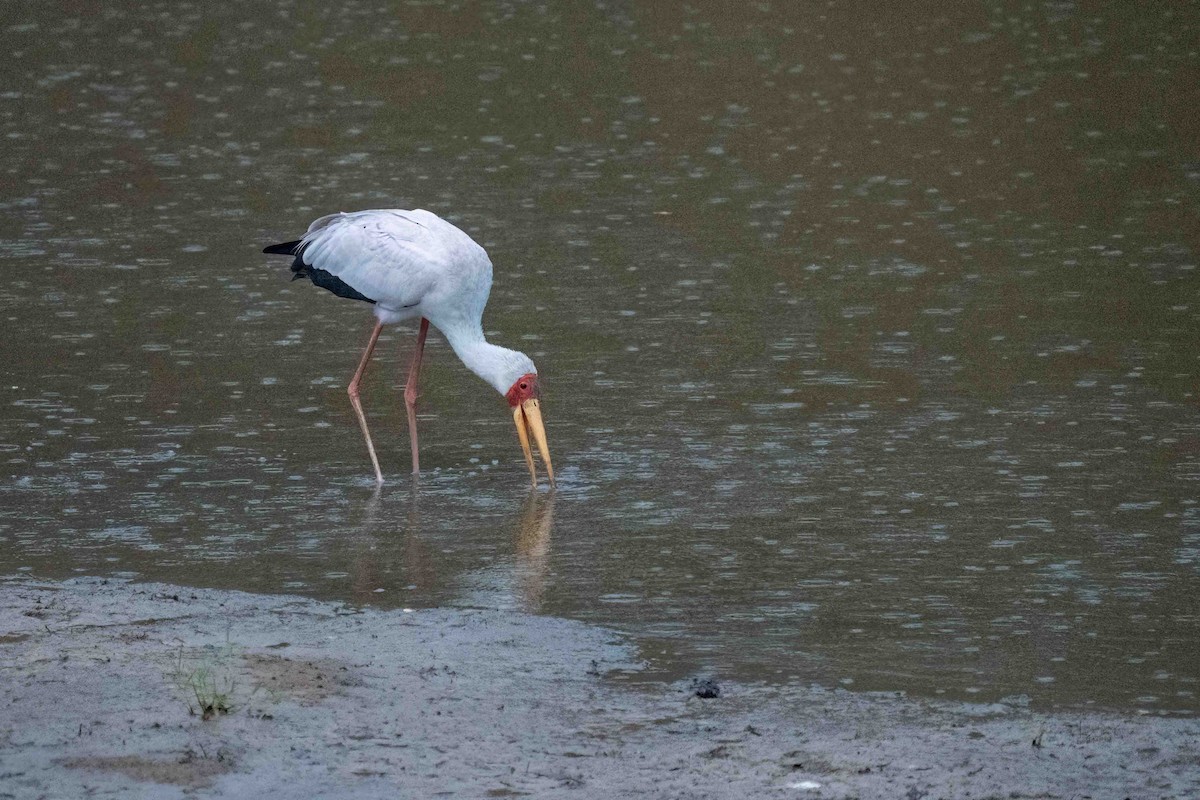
x,y
416,265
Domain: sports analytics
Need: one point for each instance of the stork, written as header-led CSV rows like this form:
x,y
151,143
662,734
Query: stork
x,y
415,265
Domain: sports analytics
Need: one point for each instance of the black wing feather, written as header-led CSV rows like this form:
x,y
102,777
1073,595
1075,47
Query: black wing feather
x,y
322,278
285,249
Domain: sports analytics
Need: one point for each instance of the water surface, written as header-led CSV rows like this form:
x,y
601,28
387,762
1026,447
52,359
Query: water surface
x,y
868,333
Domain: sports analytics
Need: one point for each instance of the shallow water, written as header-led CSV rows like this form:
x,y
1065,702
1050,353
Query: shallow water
x,y
869,336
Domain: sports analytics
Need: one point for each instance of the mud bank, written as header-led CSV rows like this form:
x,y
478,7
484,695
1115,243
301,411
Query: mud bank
x,y
145,690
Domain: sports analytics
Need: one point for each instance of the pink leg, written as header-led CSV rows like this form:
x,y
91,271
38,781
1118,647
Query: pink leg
x,y
410,393
352,390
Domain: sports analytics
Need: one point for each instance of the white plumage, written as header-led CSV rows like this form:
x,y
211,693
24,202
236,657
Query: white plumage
x,y
416,265
397,257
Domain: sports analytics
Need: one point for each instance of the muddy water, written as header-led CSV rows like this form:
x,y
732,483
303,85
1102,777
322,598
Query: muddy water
x,y
869,332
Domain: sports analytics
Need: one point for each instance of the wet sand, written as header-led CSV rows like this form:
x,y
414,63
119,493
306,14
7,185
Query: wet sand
x,y
147,690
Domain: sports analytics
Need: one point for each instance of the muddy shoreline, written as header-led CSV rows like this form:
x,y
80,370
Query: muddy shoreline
x,y
117,689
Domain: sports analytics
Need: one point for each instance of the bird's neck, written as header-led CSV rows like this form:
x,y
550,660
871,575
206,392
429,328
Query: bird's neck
x,y
497,365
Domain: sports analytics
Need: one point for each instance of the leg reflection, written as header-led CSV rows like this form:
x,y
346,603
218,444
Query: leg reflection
x,y
390,556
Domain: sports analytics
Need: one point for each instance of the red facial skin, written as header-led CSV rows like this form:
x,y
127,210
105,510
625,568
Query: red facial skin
x,y
526,388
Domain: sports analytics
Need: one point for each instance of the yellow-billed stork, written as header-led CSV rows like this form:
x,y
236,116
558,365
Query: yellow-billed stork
x,y
415,265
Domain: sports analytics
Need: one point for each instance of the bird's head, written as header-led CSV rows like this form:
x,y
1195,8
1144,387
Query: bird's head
x,y
524,397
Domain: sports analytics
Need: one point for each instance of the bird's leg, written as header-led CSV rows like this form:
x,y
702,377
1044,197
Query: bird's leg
x,y
410,393
352,390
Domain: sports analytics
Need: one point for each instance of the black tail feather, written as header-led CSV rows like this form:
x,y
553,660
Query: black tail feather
x,y
285,249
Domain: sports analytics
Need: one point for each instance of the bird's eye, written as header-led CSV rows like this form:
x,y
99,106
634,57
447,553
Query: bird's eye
x,y
524,385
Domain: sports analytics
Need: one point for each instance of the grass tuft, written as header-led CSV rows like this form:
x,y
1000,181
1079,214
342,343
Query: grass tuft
x,y
209,684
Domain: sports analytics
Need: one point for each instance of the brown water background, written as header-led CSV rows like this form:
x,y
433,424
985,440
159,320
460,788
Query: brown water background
x,y
869,330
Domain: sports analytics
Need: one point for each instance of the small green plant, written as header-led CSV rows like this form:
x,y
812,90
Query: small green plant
x,y
213,692
209,684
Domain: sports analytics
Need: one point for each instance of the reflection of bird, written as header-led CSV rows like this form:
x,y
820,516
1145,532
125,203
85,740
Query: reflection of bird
x,y
533,549
386,552
415,265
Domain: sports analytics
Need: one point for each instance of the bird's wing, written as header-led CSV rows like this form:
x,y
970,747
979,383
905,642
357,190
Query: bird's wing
x,y
386,256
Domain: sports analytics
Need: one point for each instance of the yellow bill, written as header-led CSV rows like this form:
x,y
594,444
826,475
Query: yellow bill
x,y
528,419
